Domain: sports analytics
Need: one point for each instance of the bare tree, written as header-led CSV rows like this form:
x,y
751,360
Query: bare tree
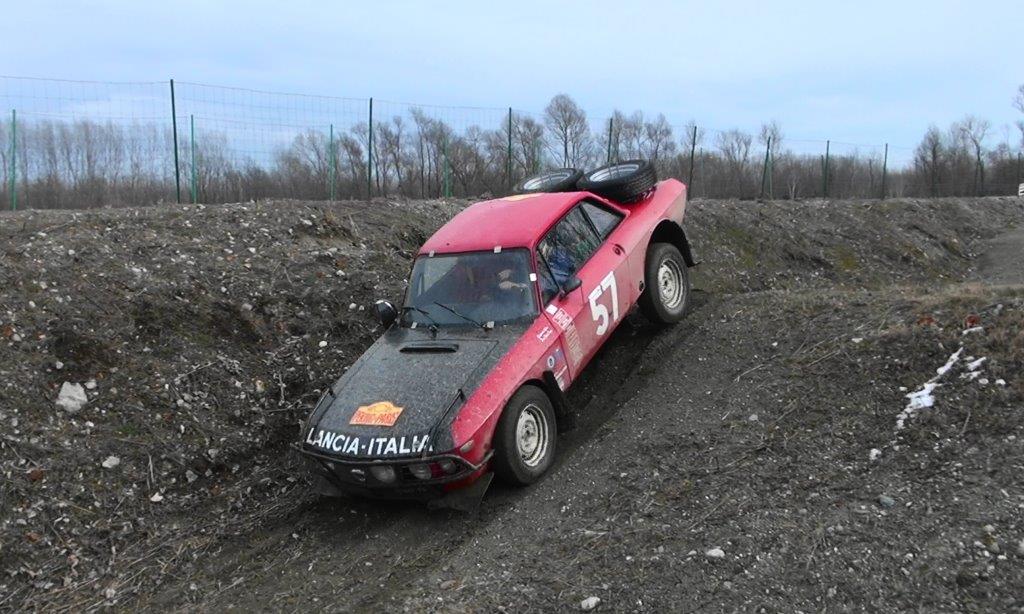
x,y
974,130
734,146
928,157
570,134
771,130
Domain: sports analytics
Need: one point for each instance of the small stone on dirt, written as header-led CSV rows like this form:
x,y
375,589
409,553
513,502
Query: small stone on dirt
x,y
715,553
156,498
590,603
72,397
110,462
886,501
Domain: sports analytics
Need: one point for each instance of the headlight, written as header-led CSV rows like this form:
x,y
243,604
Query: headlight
x,y
447,465
383,473
421,471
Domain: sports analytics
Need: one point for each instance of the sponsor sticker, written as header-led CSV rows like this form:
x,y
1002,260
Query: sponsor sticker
x,y
353,445
545,333
516,197
381,413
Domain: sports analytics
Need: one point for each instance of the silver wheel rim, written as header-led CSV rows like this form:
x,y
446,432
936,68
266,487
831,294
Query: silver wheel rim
x,y
671,288
536,182
613,172
532,435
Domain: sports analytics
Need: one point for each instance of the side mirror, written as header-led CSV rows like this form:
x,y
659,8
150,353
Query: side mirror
x,y
571,284
386,313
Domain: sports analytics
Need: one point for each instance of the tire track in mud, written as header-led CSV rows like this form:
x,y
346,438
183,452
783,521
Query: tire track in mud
x,y
359,554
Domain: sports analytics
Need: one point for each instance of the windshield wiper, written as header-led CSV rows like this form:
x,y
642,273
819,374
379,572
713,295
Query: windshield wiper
x,y
433,323
463,316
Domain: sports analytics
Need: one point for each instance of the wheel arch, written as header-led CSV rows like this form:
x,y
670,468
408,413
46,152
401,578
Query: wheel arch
x,y
668,231
564,417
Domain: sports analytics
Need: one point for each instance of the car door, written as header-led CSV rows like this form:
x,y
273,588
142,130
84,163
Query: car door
x,y
582,246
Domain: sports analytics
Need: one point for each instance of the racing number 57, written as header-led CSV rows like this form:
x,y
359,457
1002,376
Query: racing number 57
x,y
599,311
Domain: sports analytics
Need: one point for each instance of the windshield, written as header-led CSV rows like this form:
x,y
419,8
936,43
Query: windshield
x,y
470,289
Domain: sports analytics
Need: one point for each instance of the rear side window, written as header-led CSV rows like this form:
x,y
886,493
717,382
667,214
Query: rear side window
x,y
567,246
604,221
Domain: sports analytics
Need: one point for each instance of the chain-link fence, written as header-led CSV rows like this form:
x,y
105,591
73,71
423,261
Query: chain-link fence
x,y
76,144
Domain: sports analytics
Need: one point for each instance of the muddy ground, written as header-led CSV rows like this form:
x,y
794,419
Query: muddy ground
x,y
758,456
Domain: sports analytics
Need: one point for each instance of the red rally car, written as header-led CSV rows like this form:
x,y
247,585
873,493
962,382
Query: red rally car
x,y
506,305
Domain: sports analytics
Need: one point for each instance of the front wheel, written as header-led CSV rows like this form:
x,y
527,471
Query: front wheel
x,y
524,442
666,296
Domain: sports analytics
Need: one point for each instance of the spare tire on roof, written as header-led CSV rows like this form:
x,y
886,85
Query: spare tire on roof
x,y
623,182
558,180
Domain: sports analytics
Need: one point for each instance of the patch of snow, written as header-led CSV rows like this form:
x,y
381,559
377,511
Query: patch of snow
x,y
949,363
973,366
919,399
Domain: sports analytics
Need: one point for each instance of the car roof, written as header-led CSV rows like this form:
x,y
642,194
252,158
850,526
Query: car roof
x,y
513,221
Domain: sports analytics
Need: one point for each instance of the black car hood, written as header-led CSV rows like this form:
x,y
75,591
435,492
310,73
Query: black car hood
x,y
427,377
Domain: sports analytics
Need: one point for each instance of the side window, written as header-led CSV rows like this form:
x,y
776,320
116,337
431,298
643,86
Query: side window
x,y
567,246
603,220
548,287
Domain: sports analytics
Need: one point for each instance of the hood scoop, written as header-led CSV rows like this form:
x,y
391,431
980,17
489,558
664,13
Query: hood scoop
x,y
429,347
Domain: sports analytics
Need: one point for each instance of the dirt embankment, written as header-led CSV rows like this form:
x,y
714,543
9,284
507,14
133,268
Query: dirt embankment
x,y
763,426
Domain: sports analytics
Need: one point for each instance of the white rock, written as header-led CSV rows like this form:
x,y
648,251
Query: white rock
x,y
590,603
90,385
110,462
875,454
715,553
72,397
156,498
323,344
352,306
191,476
58,365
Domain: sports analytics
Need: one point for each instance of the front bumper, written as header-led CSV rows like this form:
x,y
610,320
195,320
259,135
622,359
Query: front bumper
x,y
354,476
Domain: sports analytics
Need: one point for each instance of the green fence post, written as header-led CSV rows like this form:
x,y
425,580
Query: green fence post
x,y
885,164
764,170
14,166
192,145
330,162
369,156
824,172
693,151
174,129
508,170
611,124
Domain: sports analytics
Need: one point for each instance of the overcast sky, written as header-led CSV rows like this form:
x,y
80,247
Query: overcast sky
x,y
860,72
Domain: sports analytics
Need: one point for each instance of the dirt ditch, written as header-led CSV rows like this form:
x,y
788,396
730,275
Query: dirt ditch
x,y
762,429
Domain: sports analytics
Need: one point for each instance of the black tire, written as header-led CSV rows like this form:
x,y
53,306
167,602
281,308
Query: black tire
x,y
511,462
558,180
665,267
623,182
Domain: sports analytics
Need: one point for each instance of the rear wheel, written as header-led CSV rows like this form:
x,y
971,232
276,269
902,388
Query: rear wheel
x,y
524,442
558,180
623,182
666,296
